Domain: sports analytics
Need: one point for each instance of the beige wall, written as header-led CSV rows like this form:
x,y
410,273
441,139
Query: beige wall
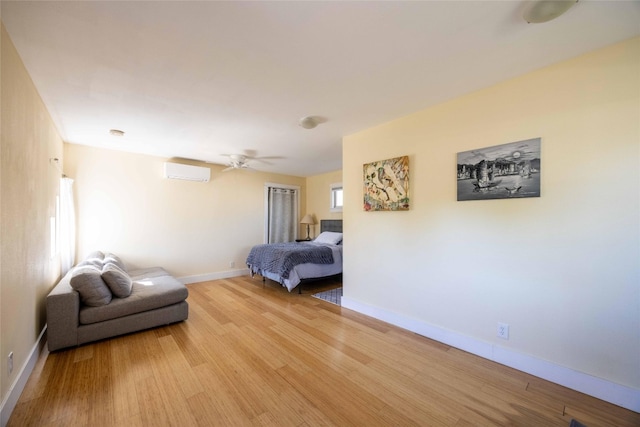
x,y
29,186
318,198
561,269
124,205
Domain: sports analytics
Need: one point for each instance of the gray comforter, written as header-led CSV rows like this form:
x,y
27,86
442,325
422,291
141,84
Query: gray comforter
x,y
280,258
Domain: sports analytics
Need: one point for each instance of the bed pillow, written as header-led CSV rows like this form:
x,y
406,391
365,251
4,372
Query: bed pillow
x,y
87,280
329,237
117,280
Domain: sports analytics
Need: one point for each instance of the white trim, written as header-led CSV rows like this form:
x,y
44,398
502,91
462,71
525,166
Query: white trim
x,y
618,394
16,389
213,276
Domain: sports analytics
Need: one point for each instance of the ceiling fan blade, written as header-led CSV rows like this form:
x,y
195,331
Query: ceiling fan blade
x,y
243,161
269,158
265,159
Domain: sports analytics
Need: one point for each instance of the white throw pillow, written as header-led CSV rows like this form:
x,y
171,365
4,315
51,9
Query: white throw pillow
x,y
329,237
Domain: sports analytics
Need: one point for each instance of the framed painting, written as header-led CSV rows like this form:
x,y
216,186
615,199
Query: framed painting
x,y
386,185
506,171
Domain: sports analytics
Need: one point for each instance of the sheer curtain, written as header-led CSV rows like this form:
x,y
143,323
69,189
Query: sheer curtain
x,y
282,214
67,223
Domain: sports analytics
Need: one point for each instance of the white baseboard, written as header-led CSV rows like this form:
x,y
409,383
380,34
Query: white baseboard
x,y
11,399
608,391
213,276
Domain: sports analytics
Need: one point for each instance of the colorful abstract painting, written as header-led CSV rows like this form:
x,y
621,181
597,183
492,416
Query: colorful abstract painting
x,y
386,185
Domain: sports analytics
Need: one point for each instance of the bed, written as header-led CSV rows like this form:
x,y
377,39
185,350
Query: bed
x,y
292,264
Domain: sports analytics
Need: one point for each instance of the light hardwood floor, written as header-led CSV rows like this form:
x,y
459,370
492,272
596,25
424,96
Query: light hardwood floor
x,y
255,356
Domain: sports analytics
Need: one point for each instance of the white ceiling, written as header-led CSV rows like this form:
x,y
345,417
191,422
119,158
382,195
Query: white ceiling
x,y
202,79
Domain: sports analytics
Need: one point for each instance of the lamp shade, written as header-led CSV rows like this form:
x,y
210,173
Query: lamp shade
x,y
308,219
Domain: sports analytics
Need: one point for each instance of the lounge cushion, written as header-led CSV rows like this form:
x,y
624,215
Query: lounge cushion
x,y
95,258
110,258
95,255
87,280
117,280
162,290
147,273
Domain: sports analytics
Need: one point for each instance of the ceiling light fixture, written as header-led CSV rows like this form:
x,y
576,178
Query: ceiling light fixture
x,y
546,10
309,122
116,132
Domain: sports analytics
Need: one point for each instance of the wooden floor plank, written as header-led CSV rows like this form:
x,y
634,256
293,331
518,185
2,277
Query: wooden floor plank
x,y
257,355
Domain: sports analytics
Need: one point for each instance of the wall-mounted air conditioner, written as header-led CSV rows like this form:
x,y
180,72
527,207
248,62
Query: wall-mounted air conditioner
x,y
186,172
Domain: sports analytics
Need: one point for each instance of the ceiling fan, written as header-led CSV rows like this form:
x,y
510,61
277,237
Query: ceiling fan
x,y
241,161
238,161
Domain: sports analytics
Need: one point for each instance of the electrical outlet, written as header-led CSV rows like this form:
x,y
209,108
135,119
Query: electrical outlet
x,y
503,331
232,264
10,362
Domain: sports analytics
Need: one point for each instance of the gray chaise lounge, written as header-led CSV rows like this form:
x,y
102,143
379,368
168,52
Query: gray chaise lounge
x,y
156,298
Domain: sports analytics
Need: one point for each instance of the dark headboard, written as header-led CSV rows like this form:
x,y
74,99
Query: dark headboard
x,y
331,225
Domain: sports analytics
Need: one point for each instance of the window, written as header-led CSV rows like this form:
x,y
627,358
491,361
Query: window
x,y
336,197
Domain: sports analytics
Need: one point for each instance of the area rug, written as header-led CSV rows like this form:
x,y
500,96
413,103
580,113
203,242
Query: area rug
x,y
334,296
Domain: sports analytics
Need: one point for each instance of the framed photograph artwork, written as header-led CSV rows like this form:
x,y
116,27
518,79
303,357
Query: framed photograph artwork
x,y
504,171
386,185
